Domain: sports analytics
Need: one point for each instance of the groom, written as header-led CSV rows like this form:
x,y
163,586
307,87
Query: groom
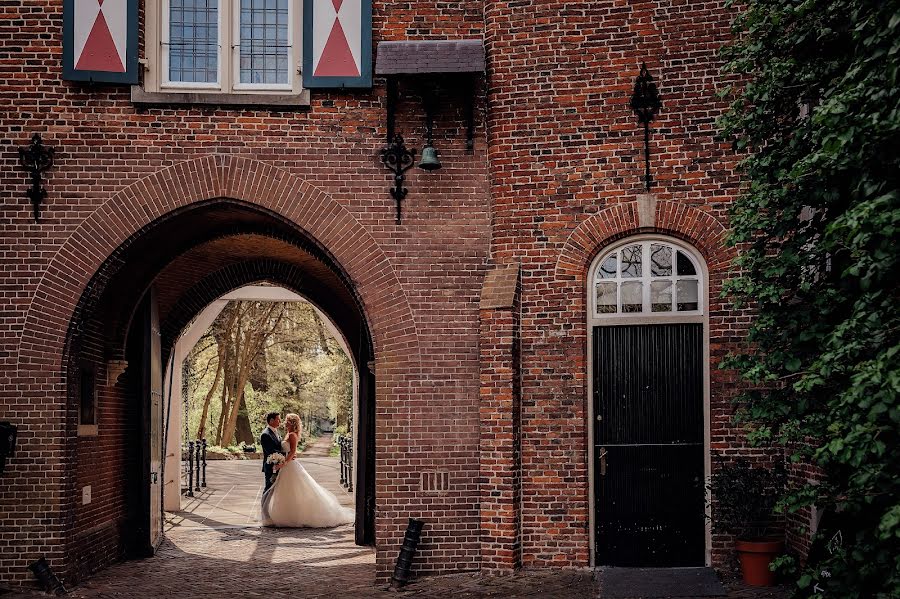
x,y
271,443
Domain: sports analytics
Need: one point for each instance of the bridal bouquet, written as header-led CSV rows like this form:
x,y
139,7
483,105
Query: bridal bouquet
x,y
275,459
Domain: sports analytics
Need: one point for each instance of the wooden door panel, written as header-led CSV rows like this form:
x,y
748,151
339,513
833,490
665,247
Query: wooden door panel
x,y
648,445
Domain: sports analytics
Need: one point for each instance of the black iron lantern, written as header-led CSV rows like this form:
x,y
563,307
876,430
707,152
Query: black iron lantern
x,y
646,103
36,158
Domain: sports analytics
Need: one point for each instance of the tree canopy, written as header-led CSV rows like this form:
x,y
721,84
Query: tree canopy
x,y
259,357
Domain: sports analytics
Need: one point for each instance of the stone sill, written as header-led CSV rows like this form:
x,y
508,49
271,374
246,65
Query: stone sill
x,y
299,101
88,430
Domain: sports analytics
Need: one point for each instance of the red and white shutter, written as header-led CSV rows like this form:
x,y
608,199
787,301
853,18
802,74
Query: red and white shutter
x,y
100,41
337,43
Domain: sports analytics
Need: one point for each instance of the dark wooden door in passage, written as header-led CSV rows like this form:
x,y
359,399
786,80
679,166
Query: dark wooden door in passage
x,y
648,445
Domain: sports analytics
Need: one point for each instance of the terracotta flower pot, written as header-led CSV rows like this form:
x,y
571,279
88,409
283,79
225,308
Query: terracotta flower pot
x,y
755,557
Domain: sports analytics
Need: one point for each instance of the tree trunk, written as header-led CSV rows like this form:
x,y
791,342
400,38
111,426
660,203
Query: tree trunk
x,y
243,433
242,339
320,332
237,400
222,414
201,430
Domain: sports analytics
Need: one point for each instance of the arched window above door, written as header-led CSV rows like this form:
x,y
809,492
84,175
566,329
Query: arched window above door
x,y
647,277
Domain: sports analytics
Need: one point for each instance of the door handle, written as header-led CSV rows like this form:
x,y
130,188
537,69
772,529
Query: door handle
x,y
602,456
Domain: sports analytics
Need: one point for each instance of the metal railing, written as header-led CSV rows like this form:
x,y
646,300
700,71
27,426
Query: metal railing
x,y
345,442
196,467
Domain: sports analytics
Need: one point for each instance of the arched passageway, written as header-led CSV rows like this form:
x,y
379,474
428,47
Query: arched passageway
x,y
127,323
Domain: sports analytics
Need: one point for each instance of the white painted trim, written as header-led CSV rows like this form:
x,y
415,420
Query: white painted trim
x,y
164,81
156,36
295,29
646,281
702,316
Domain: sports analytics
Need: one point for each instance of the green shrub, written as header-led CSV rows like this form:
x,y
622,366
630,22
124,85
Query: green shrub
x,y
745,499
817,116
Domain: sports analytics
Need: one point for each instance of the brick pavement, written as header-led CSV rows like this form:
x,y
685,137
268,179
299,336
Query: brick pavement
x,y
213,548
175,573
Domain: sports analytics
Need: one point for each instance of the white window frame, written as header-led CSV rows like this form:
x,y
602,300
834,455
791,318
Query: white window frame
x,y
293,18
156,36
164,54
647,318
646,278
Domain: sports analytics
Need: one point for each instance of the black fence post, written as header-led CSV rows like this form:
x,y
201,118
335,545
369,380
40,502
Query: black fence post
x,y
190,480
203,441
349,463
343,449
198,449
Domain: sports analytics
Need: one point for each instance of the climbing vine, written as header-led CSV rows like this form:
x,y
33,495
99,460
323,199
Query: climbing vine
x,y
816,113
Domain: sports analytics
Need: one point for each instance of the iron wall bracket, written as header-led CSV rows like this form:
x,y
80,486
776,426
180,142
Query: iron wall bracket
x,y
36,159
399,159
646,104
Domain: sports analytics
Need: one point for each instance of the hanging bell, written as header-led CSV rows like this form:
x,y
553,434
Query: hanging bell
x,y
430,160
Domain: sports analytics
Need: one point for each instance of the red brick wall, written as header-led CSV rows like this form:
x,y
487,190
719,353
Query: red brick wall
x,y
558,182
567,163
420,280
102,462
501,474
803,524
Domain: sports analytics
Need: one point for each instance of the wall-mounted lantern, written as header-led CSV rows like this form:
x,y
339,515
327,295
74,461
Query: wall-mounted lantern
x,y
36,158
421,63
646,104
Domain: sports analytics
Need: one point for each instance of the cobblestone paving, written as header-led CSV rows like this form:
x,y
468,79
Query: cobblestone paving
x,y
176,574
214,548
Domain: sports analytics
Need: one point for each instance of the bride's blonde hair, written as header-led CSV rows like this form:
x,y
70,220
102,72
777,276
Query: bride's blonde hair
x,y
292,423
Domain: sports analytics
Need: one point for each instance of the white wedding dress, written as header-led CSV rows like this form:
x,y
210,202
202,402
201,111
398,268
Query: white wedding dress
x,y
296,500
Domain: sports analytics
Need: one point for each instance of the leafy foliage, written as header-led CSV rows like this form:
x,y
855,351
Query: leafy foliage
x,y
745,499
818,116
301,368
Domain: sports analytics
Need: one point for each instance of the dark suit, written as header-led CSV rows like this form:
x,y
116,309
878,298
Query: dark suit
x,y
270,444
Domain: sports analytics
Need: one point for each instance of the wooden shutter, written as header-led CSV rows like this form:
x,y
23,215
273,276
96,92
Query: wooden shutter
x,y
337,43
100,41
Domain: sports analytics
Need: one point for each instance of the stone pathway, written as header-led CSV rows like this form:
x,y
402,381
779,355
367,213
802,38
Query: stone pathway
x,y
234,488
214,548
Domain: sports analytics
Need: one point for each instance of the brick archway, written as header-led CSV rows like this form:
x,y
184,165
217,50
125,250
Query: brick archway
x,y
684,222
224,280
42,360
125,214
672,219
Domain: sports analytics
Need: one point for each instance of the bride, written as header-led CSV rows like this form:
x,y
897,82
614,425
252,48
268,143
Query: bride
x,y
296,500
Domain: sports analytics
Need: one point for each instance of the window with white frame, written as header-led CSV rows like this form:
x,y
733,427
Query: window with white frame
x,y
224,46
650,277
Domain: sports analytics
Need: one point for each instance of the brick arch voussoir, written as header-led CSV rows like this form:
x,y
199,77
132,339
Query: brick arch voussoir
x,y
690,224
136,206
220,282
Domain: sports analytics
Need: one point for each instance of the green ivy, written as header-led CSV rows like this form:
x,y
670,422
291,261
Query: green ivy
x,y
816,112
